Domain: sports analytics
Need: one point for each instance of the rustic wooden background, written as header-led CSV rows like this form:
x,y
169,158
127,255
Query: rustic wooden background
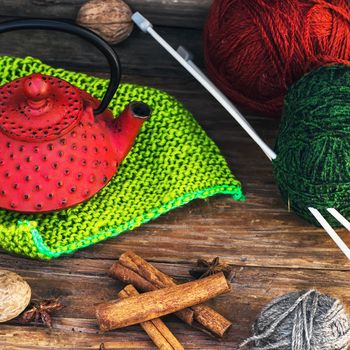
x,y
271,251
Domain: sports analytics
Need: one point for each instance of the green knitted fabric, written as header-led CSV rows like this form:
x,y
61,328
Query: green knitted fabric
x,y
172,162
312,167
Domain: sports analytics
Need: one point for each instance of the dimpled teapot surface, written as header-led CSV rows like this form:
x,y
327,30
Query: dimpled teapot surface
x,y
57,147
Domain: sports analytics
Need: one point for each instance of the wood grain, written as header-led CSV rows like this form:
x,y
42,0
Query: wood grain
x,y
179,13
75,326
271,250
68,51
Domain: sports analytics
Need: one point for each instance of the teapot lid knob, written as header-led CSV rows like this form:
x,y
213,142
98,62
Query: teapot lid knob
x,y
36,87
37,90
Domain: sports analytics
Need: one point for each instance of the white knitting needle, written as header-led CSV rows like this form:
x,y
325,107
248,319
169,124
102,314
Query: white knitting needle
x,y
328,228
185,59
340,218
225,102
147,27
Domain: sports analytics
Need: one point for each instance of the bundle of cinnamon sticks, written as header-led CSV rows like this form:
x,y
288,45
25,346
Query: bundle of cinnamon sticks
x,y
163,296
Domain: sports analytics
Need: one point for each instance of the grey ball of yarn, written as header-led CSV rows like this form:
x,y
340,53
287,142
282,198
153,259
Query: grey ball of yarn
x,y
305,320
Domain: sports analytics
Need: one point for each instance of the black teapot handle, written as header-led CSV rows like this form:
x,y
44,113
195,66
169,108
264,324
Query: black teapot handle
x,y
100,43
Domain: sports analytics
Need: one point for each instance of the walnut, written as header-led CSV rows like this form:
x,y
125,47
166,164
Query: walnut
x,y
15,295
111,19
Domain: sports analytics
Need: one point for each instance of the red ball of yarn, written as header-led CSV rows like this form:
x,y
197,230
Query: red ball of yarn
x,y
255,49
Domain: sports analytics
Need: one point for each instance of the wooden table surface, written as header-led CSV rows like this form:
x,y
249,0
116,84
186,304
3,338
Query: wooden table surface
x,y
271,250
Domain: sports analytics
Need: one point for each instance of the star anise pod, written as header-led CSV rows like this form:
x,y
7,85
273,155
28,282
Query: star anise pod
x,y
40,311
206,268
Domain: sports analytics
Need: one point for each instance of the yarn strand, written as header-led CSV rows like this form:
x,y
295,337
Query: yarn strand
x,y
273,326
312,168
301,321
256,49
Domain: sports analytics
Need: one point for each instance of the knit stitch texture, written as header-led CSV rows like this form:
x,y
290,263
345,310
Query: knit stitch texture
x,y
172,162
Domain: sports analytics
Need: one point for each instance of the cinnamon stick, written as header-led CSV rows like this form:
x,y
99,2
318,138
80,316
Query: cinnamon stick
x,y
131,264
147,306
128,276
156,329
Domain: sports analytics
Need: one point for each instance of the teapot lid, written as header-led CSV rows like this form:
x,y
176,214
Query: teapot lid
x,y
39,108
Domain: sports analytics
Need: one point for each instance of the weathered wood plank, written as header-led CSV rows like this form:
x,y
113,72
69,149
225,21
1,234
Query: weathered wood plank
x,y
259,232
84,283
172,13
272,251
249,234
139,54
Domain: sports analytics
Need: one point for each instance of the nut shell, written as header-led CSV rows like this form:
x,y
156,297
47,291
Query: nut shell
x,y
15,295
111,19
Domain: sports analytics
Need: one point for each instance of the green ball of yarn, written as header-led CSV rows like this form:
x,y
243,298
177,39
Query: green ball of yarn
x,y
312,167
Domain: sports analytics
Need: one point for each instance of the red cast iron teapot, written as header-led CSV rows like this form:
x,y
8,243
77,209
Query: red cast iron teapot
x,y
59,145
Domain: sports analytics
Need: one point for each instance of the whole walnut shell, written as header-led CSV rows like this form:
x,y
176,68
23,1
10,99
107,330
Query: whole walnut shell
x,y
15,295
111,19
